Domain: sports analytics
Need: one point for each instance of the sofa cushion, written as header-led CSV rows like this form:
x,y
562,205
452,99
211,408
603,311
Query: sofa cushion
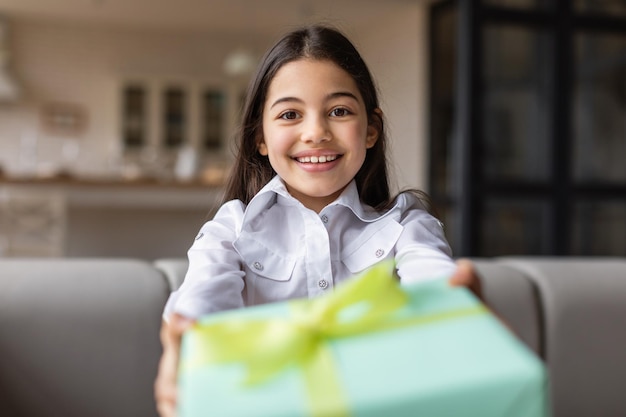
x,y
79,337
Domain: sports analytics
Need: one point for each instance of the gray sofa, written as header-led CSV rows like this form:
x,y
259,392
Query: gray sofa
x,y
79,337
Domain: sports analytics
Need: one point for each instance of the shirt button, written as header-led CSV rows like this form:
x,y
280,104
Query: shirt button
x,y
258,266
324,218
379,253
323,284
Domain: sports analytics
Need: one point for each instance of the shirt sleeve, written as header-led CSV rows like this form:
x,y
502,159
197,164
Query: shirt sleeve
x,y
422,251
215,278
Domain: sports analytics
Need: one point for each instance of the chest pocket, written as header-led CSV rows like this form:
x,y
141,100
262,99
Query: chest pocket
x,y
264,262
372,247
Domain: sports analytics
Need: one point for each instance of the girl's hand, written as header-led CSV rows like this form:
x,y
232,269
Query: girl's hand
x,y
465,275
165,385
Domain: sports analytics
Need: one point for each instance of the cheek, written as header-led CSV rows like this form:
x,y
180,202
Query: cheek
x,y
358,134
277,140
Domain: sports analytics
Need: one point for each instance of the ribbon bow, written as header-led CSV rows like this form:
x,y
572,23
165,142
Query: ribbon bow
x,y
267,346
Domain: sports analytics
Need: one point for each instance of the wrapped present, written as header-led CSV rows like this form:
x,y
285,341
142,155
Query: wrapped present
x,y
370,348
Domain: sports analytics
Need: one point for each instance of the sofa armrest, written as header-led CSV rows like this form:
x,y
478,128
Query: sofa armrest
x,y
174,270
79,337
513,297
584,307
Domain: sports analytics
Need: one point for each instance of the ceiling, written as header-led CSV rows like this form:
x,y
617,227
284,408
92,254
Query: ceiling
x,y
242,16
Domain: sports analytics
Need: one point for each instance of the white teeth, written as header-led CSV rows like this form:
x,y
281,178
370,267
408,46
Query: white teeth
x,y
317,159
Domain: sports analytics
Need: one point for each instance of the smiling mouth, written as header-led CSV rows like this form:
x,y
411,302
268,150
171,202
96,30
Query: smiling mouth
x,y
317,159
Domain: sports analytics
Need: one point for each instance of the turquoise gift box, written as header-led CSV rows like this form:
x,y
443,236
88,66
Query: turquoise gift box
x,y
371,348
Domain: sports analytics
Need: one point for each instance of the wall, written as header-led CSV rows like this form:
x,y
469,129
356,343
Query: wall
x,y
396,51
85,66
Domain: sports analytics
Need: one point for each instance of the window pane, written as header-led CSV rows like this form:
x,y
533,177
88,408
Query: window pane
x,y
134,114
517,116
600,108
599,229
174,117
521,4
443,102
515,227
443,52
212,119
609,7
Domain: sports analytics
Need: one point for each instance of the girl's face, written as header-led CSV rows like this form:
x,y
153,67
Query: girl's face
x,y
315,130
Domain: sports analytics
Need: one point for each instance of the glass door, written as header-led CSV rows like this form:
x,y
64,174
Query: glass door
x,y
528,126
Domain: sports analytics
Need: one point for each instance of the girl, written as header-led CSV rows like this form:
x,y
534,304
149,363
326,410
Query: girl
x,y
308,203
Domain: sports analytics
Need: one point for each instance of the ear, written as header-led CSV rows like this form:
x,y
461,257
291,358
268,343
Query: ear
x,y
262,147
374,128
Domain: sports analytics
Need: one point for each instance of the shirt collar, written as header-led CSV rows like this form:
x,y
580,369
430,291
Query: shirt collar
x,y
265,198
349,198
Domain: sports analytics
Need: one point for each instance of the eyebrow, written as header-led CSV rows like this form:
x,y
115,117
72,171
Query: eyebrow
x,y
328,97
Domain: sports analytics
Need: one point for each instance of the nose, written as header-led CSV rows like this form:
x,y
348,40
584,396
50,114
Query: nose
x,y
316,130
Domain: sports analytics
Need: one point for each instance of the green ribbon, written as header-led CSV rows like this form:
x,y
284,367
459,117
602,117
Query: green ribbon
x,y
265,347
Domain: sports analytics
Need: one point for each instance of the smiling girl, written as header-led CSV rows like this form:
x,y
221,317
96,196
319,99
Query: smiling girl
x,y
308,202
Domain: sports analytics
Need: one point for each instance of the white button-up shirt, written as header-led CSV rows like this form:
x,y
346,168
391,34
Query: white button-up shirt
x,y
275,249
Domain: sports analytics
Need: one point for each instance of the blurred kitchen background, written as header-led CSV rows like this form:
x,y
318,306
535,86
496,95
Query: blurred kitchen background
x,y
117,117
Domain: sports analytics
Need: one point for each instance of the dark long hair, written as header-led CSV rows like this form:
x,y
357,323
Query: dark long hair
x,y
252,170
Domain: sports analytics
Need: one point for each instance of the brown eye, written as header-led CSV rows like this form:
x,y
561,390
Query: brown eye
x,y
289,115
339,112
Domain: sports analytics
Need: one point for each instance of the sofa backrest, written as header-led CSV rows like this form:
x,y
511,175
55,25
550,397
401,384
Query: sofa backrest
x,y
583,310
79,337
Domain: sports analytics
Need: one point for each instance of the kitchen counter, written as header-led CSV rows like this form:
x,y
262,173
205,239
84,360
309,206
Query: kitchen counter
x,y
93,217
108,192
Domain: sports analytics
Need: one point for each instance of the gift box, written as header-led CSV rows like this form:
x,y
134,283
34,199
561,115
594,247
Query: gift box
x,y
371,348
